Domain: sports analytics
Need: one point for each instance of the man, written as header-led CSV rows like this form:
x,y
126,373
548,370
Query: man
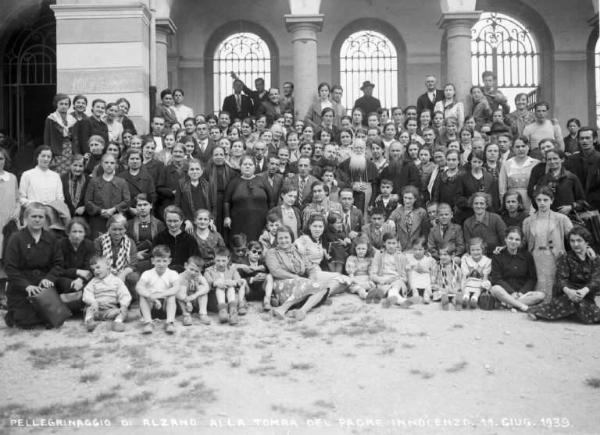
x,y
320,204
182,112
271,107
288,120
410,113
260,155
585,164
224,121
398,118
367,103
352,216
504,141
302,181
402,173
215,134
360,174
428,136
286,101
239,106
430,97
494,96
157,126
439,158
205,144
543,128
165,109
273,177
257,96
336,98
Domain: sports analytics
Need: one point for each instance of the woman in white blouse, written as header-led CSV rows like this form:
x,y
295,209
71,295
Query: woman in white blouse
x,y
450,107
515,172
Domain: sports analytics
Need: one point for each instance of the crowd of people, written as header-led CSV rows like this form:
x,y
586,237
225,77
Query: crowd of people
x,y
465,205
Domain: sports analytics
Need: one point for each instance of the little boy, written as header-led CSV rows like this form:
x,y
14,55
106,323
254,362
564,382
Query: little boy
x,y
375,229
226,282
446,283
445,231
192,291
388,272
106,297
267,238
386,200
156,289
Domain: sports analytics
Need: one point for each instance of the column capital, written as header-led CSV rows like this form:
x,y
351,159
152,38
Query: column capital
x,y
166,25
463,18
307,22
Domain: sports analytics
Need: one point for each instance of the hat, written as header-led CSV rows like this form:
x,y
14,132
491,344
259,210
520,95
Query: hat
x,y
366,84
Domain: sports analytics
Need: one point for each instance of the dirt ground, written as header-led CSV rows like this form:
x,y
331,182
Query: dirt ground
x,y
347,368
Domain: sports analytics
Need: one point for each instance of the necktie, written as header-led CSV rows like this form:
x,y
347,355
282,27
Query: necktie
x,y
347,222
301,183
444,229
238,102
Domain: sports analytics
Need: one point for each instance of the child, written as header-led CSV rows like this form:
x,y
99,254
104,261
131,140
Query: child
x,y
106,296
156,289
239,246
447,281
335,243
357,267
375,229
257,276
388,272
226,282
192,291
476,269
267,238
445,231
207,238
420,269
386,200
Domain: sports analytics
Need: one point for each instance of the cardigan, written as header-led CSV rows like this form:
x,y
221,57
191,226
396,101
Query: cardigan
x,y
514,273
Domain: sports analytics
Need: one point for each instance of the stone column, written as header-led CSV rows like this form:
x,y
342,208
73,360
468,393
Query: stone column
x,y
458,48
304,30
164,28
102,51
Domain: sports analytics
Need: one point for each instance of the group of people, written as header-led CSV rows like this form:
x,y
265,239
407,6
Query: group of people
x,y
427,204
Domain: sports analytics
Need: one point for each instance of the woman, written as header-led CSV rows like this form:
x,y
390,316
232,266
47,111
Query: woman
x,y
248,134
570,140
33,263
77,252
120,251
74,184
93,125
481,111
577,283
424,120
236,154
545,232
449,134
513,274
9,193
520,117
358,118
289,215
106,195
124,106
295,278
450,107
492,164
327,125
292,141
192,194
115,128
58,133
568,192
138,180
247,195
308,135
174,171
346,141
515,172
43,185
484,224
219,175
313,115
377,156
80,103
408,219
474,180
447,184
310,245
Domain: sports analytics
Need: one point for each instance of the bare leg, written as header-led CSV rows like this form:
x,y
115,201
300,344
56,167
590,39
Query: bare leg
x,y
503,296
310,304
146,309
171,308
532,298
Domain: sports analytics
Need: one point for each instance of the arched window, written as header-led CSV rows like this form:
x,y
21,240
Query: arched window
x,y
247,55
368,55
501,44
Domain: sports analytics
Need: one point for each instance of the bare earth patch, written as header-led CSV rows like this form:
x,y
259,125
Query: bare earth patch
x,y
347,368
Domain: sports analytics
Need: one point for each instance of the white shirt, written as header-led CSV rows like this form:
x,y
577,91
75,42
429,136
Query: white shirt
x,y
159,143
182,112
39,185
154,282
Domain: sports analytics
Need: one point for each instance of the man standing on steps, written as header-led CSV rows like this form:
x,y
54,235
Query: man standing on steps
x,y
430,97
367,103
257,96
238,106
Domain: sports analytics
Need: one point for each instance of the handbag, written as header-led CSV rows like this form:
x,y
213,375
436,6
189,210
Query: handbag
x,y
486,301
50,307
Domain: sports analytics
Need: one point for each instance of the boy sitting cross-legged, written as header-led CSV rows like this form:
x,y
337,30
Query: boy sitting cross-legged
x,y
157,290
106,297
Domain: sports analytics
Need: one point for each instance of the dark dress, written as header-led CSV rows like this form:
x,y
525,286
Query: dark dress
x,y
447,189
219,177
575,273
182,247
468,185
74,259
27,263
514,273
247,203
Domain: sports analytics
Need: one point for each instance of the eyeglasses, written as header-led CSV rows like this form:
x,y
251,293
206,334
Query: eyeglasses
x,y
254,251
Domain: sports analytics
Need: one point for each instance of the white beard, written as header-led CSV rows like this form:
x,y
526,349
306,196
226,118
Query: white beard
x,y
358,163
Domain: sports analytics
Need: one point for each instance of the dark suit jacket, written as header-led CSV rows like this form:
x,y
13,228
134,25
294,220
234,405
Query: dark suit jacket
x,y
276,185
86,128
205,156
356,220
423,102
453,236
230,106
272,111
261,166
306,192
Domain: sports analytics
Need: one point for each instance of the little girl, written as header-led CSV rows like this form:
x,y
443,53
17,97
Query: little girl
x,y
420,269
446,278
259,280
208,240
335,243
357,267
476,269
388,272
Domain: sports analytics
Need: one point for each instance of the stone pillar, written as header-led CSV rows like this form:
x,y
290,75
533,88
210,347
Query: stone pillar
x,y
164,28
102,51
458,48
304,30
